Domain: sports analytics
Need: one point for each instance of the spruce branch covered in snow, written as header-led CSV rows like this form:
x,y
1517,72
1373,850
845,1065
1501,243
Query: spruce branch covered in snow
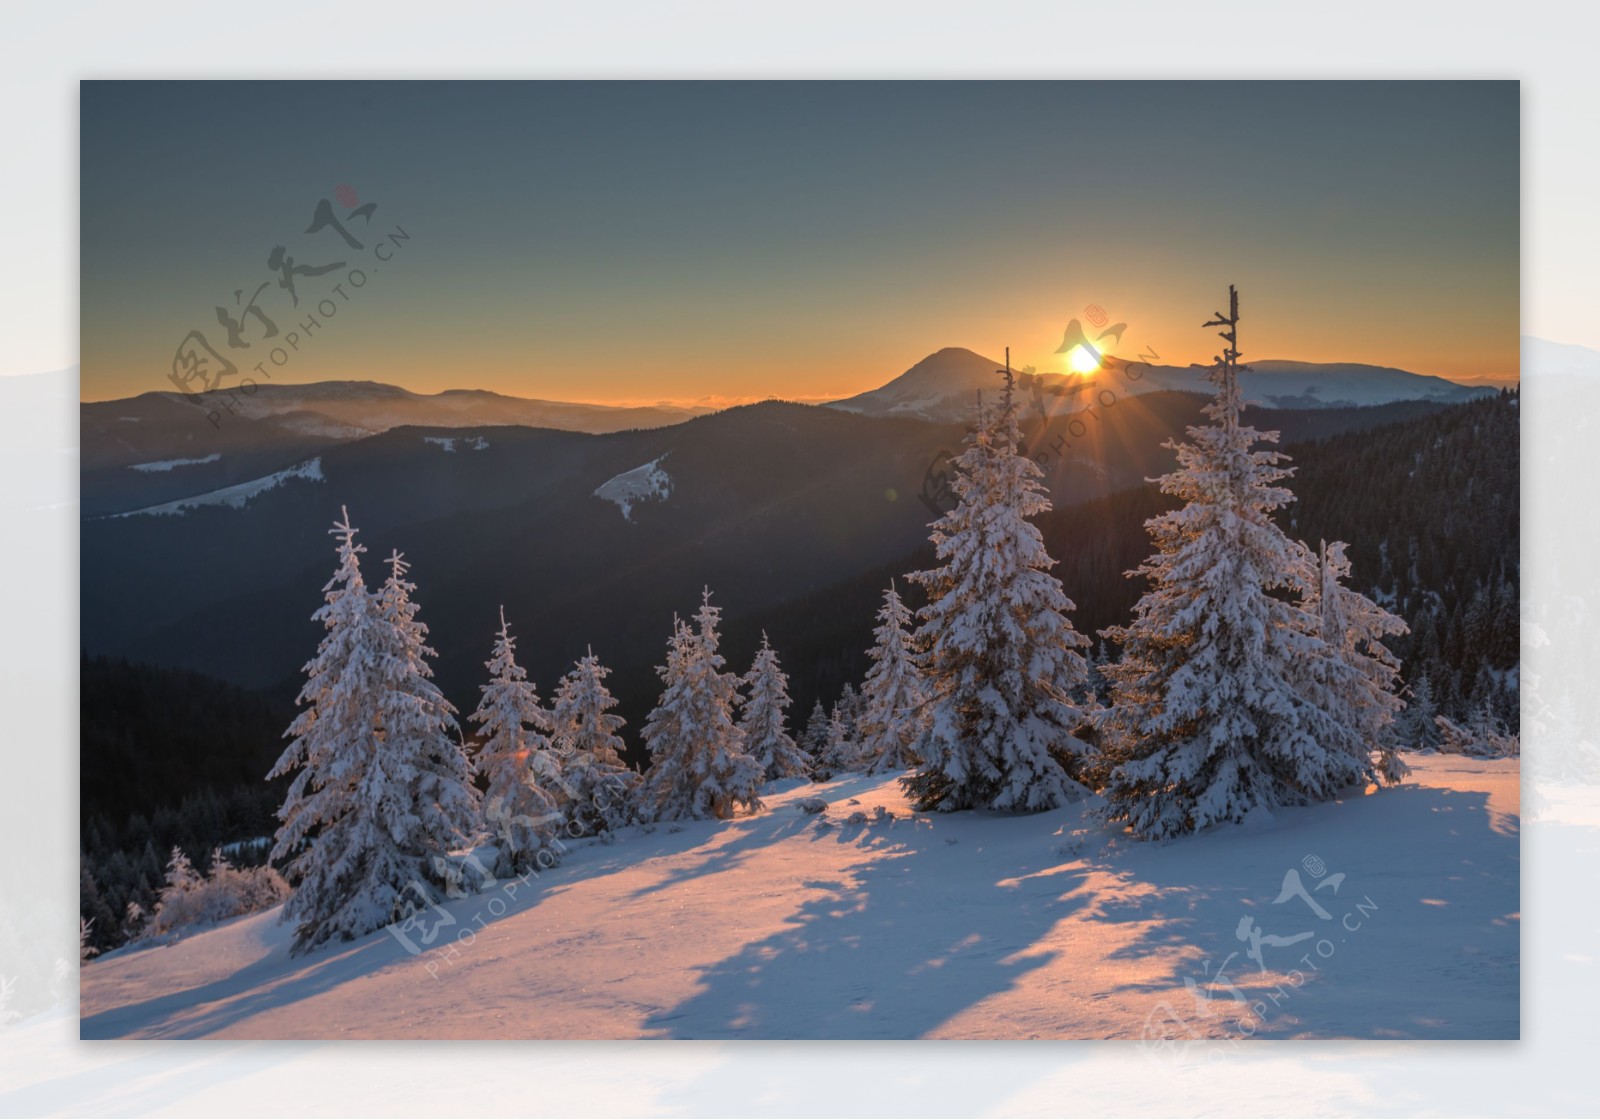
x,y
698,766
379,789
520,805
597,786
1224,699
1480,739
892,716
1391,768
761,718
1002,660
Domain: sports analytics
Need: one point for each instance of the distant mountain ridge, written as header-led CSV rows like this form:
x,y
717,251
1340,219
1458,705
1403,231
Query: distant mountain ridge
x,y
943,386
351,409
161,447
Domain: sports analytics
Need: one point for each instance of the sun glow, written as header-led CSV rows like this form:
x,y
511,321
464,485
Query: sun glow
x,y
1082,360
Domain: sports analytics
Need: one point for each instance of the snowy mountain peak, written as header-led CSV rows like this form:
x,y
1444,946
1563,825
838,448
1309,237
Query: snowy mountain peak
x,y
943,385
928,388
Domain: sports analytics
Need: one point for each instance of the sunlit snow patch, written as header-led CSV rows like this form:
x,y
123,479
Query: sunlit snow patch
x,y
476,443
648,483
168,464
235,497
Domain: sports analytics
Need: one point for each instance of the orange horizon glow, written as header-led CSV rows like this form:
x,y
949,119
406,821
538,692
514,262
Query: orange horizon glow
x,y
679,383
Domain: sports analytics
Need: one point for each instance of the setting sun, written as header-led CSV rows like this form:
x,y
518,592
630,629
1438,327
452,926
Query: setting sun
x,y
1082,360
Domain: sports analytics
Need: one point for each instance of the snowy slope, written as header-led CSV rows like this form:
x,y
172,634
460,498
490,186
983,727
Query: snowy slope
x,y
965,925
648,483
169,464
234,497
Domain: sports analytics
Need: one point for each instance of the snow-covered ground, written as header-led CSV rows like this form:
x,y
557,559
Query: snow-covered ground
x,y
965,925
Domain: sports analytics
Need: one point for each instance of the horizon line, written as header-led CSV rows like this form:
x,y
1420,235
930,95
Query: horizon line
x,y
715,402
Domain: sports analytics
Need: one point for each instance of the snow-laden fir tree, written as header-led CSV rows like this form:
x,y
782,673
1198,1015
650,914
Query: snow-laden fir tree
x,y
698,764
520,807
1417,728
597,785
1099,683
892,696
814,741
1223,700
1353,626
850,709
761,718
841,753
358,829
181,881
1002,660
423,748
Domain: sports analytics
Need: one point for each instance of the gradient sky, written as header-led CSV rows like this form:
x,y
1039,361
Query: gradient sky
x,y
636,242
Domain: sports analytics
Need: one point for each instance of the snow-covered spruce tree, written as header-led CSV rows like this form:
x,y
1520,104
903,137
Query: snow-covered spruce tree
x,y
850,709
520,806
356,829
1223,697
172,903
597,786
1353,626
698,765
1417,728
423,747
1002,660
892,696
761,718
841,754
1099,683
814,741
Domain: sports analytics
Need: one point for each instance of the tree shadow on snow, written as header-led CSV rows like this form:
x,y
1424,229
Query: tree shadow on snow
x,y
1417,934
925,926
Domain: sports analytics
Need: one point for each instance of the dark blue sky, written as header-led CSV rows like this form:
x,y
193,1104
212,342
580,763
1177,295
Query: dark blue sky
x,y
643,241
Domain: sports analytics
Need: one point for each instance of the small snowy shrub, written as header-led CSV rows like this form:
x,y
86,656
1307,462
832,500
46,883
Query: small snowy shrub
x,y
191,901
